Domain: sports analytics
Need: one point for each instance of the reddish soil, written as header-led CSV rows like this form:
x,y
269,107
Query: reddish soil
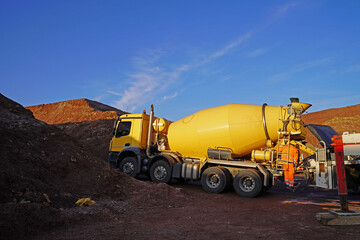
x,y
78,110
87,121
190,213
346,119
38,158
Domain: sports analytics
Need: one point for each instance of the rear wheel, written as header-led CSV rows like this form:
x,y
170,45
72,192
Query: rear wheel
x,y
129,166
248,183
160,172
214,180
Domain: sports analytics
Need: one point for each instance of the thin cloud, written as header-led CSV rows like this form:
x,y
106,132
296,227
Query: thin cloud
x,y
99,97
353,68
299,68
281,11
225,78
153,80
227,48
165,98
257,52
114,93
148,58
139,93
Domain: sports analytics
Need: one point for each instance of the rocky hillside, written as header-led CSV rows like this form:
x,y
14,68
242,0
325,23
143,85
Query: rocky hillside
x,y
78,110
43,171
40,164
346,119
87,121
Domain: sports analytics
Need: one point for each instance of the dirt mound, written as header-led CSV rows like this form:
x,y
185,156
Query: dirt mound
x,y
78,110
346,119
94,136
39,161
87,121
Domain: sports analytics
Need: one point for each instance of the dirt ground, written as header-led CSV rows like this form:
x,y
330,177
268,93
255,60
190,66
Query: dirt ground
x,y
191,213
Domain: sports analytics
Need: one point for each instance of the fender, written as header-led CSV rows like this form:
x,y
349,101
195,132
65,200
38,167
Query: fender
x,y
169,159
132,151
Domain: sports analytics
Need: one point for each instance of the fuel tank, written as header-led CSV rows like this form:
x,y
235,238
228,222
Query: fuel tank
x,y
239,128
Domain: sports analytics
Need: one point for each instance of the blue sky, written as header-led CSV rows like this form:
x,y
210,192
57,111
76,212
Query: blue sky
x,y
182,56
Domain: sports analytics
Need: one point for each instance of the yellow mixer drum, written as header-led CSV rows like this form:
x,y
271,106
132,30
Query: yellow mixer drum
x,y
237,127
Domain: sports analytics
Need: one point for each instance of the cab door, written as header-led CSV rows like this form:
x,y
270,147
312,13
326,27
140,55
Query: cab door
x,y
123,135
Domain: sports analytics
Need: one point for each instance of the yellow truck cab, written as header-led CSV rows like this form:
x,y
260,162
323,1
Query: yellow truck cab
x,y
135,147
129,132
129,143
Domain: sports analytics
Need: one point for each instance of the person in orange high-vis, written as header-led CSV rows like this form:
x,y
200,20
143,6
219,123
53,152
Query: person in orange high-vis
x,y
290,154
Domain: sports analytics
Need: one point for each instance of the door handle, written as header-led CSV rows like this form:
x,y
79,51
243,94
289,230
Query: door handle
x,y
127,144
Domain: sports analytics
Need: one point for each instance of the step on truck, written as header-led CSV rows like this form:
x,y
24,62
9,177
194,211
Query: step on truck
x,y
232,145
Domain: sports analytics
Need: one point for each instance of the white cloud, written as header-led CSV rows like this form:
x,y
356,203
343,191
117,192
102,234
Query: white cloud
x,y
170,96
153,79
227,48
114,93
257,52
139,93
225,78
280,12
99,97
147,58
284,9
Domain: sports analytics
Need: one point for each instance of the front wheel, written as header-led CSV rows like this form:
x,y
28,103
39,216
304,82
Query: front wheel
x,y
160,172
248,183
129,166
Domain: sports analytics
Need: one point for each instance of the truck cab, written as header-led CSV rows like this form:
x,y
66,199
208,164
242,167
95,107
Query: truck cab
x,y
128,132
129,141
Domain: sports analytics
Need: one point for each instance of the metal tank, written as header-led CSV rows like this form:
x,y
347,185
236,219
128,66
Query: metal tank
x,y
239,128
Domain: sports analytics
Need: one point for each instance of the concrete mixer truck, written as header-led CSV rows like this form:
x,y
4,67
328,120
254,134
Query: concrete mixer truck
x,y
232,145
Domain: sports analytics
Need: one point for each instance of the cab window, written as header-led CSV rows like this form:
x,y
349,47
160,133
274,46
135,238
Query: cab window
x,y
123,129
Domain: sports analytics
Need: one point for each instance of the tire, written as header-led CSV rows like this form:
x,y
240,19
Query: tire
x,y
229,179
129,166
214,180
248,183
160,172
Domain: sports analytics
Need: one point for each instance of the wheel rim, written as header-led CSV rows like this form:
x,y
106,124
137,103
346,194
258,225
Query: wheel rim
x,y
247,184
213,180
160,172
128,168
